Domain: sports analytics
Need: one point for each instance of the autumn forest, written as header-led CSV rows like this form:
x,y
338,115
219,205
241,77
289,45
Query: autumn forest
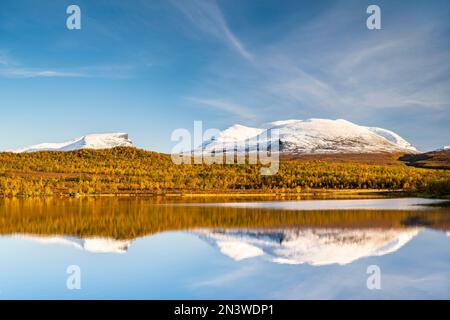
x,y
134,171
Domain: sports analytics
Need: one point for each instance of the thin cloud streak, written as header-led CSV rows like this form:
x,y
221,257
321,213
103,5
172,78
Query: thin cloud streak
x,y
206,16
235,109
10,68
33,73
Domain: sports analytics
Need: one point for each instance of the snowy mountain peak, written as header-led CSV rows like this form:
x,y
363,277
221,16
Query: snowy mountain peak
x,y
312,136
91,141
238,132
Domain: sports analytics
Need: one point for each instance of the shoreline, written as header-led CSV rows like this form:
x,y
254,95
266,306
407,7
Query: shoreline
x,y
312,193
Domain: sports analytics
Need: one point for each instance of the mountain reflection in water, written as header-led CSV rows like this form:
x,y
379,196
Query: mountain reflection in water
x,y
284,246
154,248
311,246
238,230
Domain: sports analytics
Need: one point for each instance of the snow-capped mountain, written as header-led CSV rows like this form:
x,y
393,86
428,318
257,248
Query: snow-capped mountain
x,y
91,141
444,148
93,244
309,136
315,247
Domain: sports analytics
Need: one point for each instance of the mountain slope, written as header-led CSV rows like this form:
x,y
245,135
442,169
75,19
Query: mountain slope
x,y
91,141
439,159
319,136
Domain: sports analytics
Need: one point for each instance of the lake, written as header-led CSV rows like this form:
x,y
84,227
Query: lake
x,y
137,248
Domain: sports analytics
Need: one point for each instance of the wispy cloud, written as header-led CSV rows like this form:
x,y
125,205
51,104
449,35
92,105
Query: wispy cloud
x,y
100,71
206,16
233,108
317,67
35,73
11,68
387,70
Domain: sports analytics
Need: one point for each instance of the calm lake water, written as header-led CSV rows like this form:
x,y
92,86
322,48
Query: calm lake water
x,y
155,249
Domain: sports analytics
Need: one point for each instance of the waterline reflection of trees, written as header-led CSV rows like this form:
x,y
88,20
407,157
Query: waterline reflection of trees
x,y
128,218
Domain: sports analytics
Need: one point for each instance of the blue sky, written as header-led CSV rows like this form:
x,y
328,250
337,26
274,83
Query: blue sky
x,y
149,67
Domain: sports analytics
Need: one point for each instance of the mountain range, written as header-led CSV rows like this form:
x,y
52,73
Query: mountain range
x,y
313,136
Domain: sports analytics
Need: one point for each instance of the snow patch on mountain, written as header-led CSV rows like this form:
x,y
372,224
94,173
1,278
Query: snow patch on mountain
x,y
392,137
91,141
